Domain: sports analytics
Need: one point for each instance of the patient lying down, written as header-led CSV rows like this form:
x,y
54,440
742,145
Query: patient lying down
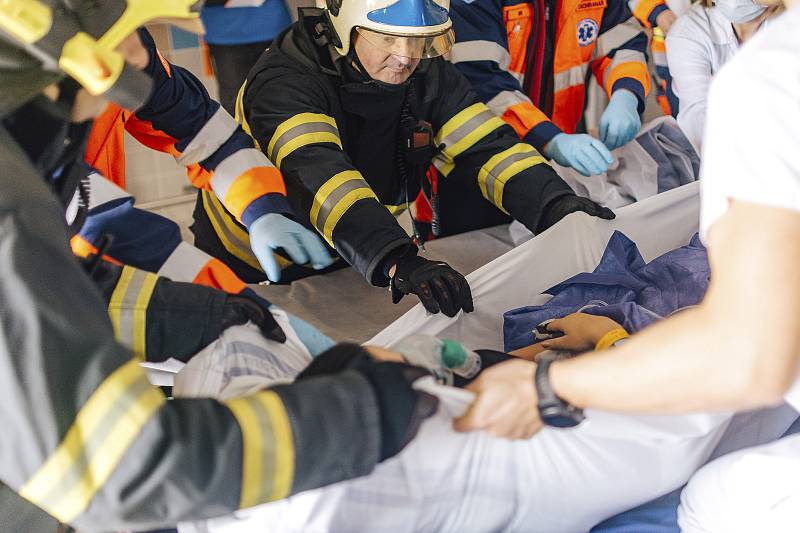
x,y
560,480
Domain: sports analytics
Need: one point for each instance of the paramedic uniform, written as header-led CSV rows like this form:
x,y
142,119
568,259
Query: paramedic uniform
x,y
750,147
529,61
698,44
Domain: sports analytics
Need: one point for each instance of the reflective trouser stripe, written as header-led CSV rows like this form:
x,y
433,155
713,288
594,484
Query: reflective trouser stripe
x,y
335,197
493,175
462,132
268,447
208,140
128,308
302,130
103,430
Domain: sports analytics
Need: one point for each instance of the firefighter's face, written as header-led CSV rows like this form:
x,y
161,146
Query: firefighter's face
x,y
382,65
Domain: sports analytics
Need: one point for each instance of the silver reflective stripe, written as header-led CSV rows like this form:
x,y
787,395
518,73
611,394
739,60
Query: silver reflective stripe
x,y
500,103
480,51
302,129
208,140
467,128
234,166
127,313
334,197
103,190
569,78
227,235
184,263
503,165
660,59
618,35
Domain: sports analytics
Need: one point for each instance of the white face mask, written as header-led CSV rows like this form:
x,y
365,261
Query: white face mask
x,y
739,11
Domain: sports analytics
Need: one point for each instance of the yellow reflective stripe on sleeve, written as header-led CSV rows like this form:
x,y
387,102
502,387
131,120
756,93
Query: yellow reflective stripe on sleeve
x,y
396,210
268,448
335,197
103,430
239,115
462,132
128,308
494,174
301,130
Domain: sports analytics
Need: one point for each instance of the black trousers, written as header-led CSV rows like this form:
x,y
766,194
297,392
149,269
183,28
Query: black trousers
x,y
231,64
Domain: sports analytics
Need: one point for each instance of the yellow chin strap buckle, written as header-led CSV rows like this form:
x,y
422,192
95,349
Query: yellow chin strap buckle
x,y
25,20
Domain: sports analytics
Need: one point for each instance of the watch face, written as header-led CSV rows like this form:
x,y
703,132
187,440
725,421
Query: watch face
x,y
560,416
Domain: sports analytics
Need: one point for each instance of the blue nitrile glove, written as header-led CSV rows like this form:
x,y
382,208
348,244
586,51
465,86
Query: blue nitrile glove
x,y
272,231
313,339
620,121
582,152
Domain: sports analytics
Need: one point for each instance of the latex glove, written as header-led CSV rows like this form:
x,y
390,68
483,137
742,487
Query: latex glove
x,y
272,231
582,152
564,205
313,339
620,122
438,286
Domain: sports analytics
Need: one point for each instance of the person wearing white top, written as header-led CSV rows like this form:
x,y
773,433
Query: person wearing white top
x,y
698,44
740,347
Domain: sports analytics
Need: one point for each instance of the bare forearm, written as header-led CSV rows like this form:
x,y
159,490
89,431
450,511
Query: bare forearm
x,y
687,363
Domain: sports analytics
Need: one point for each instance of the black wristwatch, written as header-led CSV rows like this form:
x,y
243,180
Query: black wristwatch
x,y
553,410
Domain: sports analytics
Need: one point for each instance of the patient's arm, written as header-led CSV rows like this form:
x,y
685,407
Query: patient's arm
x,y
581,332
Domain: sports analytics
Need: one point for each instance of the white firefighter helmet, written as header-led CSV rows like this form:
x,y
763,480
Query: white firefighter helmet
x,y
412,28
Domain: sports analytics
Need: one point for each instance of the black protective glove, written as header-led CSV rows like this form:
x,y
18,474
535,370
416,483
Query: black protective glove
x,y
402,409
239,309
439,286
564,205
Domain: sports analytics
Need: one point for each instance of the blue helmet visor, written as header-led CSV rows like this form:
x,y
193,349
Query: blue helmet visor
x,y
415,47
410,13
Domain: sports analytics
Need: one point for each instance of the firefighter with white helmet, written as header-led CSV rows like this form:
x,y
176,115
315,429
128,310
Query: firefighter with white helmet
x,y
363,116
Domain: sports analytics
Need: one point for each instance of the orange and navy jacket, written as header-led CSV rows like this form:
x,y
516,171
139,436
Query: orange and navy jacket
x,y
529,60
181,119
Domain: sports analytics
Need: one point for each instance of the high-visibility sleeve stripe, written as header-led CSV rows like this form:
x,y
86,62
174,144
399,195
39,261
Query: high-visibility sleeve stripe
x,y
641,9
103,191
494,174
233,166
268,448
627,64
210,138
505,99
396,209
571,77
184,263
335,197
301,130
103,430
234,239
480,51
128,308
250,185
462,132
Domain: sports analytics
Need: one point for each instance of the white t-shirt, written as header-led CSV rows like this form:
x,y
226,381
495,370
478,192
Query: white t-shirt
x,y
698,45
752,140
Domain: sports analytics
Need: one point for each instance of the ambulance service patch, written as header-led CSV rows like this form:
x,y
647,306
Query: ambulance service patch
x,y
587,32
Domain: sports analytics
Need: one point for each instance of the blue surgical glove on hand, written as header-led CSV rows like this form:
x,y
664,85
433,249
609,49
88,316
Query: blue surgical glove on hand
x,y
620,121
582,152
272,231
313,339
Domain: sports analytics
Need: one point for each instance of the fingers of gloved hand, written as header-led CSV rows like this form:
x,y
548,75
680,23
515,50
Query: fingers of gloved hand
x,y
467,304
269,327
266,258
292,244
318,254
611,139
579,166
588,206
446,295
601,148
426,296
592,159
